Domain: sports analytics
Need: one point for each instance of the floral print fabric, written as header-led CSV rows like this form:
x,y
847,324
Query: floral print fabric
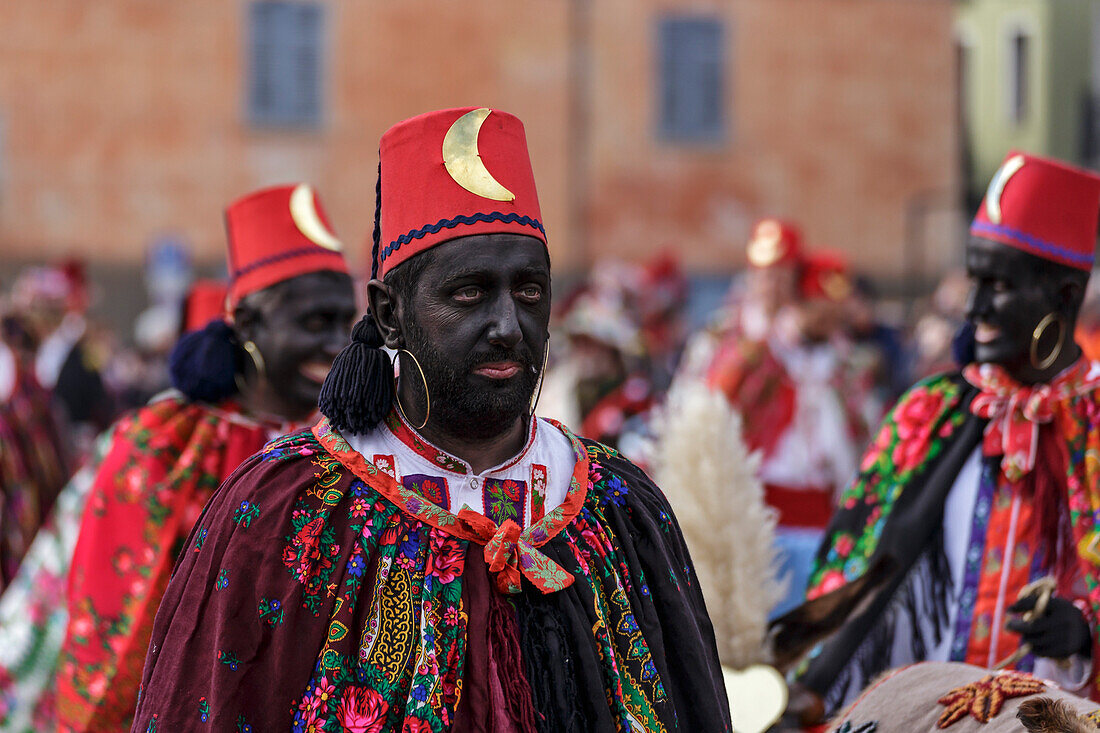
x,y
350,602
923,425
911,437
33,612
164,462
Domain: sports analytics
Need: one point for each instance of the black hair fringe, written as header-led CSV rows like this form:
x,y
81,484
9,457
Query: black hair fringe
x,y
923,595
359,390
554,695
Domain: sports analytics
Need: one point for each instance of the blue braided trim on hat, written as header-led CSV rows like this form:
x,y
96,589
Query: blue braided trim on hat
x,y
289,254
422,232
1053,250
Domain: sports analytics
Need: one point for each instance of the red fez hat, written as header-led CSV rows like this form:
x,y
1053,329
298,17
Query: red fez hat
x,y
453,173
774,242
825,276
276,234
1043,207
205,301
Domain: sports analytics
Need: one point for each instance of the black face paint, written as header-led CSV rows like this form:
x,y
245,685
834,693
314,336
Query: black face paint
x,y
1012,292
478,325
300,326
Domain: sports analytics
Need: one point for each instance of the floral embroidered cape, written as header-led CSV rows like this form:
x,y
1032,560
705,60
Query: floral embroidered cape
x,y
917,453
164,462
317,594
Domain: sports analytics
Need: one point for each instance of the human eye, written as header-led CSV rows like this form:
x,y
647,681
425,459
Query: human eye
x,y
467,294
530,292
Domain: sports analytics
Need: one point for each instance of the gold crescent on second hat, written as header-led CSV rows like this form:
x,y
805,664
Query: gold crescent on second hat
x,y
463,162
997,187
766,248
303,211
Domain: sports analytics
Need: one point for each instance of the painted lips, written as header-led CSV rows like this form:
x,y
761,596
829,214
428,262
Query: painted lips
x,y
499,369
315,371
985,333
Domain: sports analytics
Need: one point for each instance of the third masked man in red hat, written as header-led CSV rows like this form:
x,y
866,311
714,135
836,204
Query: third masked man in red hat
x,y
982,488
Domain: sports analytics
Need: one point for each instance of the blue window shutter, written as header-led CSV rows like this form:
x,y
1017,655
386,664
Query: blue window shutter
x,y
692,94
285,63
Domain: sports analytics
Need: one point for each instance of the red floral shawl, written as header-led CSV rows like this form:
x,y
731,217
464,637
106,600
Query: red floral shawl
x,y
164,462
920,429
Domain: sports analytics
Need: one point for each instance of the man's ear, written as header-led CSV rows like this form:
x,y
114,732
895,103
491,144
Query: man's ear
x,y
246,320
385,306
1071,293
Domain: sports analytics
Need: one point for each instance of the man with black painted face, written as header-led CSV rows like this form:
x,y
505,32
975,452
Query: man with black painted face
x,y
431,556
251,373
981,488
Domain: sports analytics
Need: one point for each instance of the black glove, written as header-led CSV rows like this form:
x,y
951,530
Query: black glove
x,y
1059,633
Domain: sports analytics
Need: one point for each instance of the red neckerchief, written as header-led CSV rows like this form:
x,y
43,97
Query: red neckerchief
x,y
1015,411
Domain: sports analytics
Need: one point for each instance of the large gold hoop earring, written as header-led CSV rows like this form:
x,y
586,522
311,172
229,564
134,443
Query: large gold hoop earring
x,y
427,395
542,376
253,352
1037,334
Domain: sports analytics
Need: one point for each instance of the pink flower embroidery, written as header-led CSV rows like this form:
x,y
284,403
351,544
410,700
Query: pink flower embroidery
x,y
446,559
844,545
362,710
829,582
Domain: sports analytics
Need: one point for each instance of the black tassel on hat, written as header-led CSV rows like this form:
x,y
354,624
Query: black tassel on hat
x,y
358,391
203,364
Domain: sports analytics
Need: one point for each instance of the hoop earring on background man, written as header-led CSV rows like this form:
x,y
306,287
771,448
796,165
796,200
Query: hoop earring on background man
x,y
258,363
1038,333
427,395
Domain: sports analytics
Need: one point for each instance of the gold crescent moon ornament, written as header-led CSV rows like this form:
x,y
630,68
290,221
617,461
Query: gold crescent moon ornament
x,y
997,187
303,211
766,248
463,162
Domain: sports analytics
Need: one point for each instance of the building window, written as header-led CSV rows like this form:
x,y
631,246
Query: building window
x,y
692,77
284,63
1019,69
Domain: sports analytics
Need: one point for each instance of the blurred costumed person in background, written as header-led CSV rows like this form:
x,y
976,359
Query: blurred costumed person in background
x,y
982,483
736,343
33,608
243,379
660,300
53,302
34,462
431,556
599,381
794,389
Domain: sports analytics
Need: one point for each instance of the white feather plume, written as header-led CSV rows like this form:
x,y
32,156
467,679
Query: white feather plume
x,y
710,478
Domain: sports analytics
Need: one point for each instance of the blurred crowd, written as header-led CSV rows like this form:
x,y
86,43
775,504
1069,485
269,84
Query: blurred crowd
x,y
802,347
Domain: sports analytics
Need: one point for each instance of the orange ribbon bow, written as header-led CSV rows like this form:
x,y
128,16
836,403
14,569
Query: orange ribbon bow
x,y
1015,411
510,556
